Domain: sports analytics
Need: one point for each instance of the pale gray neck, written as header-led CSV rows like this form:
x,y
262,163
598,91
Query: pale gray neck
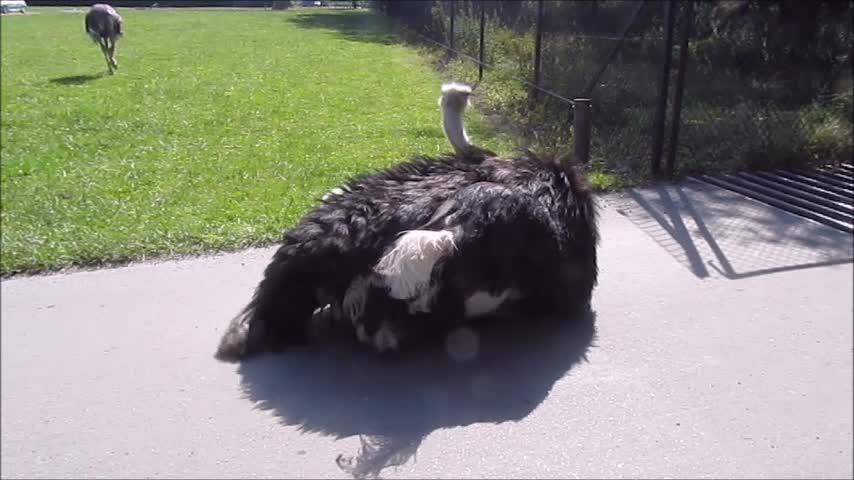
x,y
452,122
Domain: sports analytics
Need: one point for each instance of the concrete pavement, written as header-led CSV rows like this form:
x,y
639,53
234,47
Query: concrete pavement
x,y
721,348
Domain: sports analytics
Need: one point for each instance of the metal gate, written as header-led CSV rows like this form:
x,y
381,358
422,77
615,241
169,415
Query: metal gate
x,y
825,195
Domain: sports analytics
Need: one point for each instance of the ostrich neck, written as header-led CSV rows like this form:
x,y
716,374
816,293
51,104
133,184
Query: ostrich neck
x,y
452,122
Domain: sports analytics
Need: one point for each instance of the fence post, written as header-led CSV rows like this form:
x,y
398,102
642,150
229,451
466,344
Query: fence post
x,y
538,47
664,84
687,20
581,128
480,53
453,14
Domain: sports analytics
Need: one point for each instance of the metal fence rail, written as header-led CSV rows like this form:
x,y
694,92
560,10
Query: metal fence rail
x,y
825,195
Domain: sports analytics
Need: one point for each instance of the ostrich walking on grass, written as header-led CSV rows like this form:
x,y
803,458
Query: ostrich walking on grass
x,y
409,252
104,25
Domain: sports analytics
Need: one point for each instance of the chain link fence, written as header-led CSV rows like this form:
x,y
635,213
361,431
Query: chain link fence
x,y
754,89
759,94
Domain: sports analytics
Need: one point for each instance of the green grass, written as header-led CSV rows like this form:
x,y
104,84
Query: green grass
x,y
216,141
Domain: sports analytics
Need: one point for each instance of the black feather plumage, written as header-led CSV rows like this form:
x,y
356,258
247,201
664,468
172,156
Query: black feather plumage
x,y
524,230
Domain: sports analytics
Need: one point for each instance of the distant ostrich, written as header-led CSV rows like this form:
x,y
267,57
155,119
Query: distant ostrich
x,y
104,25
406,253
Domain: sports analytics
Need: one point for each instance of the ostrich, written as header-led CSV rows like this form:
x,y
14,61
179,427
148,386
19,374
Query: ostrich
x,y
406,253
104,25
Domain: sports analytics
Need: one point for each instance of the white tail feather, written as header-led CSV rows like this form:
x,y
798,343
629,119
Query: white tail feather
x,y
408,266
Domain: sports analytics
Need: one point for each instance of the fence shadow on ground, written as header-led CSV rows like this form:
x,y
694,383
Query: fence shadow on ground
x,y
712,231
392,406
355,26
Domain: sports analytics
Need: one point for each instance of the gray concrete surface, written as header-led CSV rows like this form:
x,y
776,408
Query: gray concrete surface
x,y
722,349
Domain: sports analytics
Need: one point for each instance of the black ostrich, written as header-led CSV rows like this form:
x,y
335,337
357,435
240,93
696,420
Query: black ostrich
x,y
104,25
406,253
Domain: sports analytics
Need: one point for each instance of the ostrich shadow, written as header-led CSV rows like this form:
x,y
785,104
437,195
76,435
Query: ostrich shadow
x,y
77,79
494,372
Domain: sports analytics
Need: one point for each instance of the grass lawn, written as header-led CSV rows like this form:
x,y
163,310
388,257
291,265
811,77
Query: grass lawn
x,y
220,128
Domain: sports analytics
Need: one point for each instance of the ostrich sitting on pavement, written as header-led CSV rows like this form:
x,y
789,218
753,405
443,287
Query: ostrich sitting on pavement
x,y
409,252
104,25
